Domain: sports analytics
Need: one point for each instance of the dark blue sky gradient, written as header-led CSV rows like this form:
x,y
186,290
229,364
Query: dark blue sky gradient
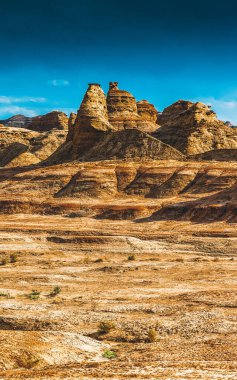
x,y
158,50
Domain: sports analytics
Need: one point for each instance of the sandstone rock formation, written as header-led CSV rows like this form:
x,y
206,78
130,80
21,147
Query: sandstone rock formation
x,y
71,124
91,120
19,146
194,128
125,113
147,111
97,122
52,120
216,155
131,144
142,242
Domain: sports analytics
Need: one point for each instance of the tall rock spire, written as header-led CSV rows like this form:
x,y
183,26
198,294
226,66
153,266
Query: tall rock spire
x,y
91,120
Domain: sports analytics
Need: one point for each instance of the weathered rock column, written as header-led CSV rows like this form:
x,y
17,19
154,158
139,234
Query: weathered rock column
x,y
126,113
91,120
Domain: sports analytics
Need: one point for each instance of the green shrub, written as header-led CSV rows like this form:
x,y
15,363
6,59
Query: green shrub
x,y
105,327
4,261
7,295
131,257
34,295
56,290
13,258
152,335
109,354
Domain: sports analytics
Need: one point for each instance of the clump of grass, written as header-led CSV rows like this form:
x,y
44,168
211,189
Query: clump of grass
x,y
100,260
4,261
131,257
56,290
34,295
108,354
105,327
7,295
13,258
152,335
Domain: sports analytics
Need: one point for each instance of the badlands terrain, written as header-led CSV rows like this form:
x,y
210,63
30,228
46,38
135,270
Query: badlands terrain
x,y
118,243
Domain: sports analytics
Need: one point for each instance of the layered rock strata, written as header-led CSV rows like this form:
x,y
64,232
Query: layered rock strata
x,y
91,120
19,146
125,113
193,128
52,120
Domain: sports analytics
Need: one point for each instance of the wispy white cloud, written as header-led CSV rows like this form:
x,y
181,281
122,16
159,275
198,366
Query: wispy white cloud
x,y
225,109
24,99
14,110
59,82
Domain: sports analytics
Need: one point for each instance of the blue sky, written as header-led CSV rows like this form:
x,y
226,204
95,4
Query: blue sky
x,y
161,51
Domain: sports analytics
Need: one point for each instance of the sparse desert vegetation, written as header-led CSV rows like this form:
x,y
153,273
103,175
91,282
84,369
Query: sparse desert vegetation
x,y
119,261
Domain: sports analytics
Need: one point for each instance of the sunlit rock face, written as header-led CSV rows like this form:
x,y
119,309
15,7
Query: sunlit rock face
x,y
71,124
91,120
147,111
21,147
52,120
193,128
125,113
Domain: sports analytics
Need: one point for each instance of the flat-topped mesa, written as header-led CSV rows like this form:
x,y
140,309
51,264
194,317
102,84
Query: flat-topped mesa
x,y
123,111
91,120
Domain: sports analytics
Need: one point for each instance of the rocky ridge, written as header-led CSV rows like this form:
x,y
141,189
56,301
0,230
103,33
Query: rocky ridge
x,y
20,146
193,128
42,123
52,120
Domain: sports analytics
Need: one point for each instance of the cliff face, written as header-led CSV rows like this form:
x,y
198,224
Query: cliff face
x,y
98,116
71,125
147,111
91,120
52,120
193,128
125,113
